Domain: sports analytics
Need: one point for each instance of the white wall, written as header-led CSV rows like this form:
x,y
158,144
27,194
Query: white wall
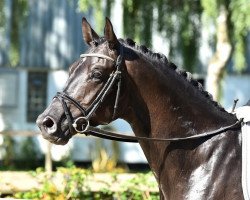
x,y
235,87
14,117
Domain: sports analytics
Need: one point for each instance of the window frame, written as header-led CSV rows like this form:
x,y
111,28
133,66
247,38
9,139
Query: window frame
x,y
33,107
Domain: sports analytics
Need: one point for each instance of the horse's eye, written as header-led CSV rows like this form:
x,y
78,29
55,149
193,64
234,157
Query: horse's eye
x,y
96,75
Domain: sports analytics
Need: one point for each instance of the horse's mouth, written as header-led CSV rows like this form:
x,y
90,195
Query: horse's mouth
x,y
56,140
60,134
59,138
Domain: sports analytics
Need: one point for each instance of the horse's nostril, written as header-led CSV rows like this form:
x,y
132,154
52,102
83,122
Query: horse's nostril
x,y
49,125
48,122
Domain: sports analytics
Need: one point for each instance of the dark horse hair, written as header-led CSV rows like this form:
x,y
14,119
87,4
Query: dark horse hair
x,y
161,58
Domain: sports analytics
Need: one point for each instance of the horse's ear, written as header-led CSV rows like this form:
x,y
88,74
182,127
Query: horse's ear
x,y
89,35
110,35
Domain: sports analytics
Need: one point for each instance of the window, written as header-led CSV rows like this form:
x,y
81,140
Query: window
x,y
37,94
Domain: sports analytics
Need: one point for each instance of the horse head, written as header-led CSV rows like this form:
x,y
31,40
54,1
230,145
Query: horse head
x,y
91,92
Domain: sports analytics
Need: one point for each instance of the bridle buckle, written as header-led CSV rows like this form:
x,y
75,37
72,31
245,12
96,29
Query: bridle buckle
x,y
84,125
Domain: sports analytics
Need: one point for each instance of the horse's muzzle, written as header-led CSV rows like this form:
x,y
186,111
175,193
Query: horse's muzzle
x,y
51,131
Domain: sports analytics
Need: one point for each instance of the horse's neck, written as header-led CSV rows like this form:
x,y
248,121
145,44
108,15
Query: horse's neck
x,y
171,105
163,106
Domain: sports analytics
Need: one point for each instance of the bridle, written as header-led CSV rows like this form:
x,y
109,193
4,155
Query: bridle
x,y
87,113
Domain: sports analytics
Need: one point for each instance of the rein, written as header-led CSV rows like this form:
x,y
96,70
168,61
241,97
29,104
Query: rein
x,y
82,126
97,132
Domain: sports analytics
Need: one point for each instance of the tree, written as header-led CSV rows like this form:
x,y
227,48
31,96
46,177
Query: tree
x,y
232,19
221,56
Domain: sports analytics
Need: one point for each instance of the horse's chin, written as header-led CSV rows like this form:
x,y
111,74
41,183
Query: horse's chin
x,y
57,138
60,141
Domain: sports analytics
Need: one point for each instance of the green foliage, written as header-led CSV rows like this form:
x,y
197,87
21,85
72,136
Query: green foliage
x,y
2,14
173,18
108,7
99,7
137,188
210,8
47,192
238,25
179,21
138,20
240,19
29,153
76,185
183,19
8,149
25,157
19,14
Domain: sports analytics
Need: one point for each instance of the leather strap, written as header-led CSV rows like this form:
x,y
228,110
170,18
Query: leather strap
x,y
97,55
97,132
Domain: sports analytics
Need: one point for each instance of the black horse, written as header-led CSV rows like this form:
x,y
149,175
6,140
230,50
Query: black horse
x,y
119,79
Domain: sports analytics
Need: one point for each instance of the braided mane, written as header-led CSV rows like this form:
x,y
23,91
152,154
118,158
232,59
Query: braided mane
x,y
159,57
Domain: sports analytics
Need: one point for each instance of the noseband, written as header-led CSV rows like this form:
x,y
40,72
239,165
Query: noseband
x,y
81,124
